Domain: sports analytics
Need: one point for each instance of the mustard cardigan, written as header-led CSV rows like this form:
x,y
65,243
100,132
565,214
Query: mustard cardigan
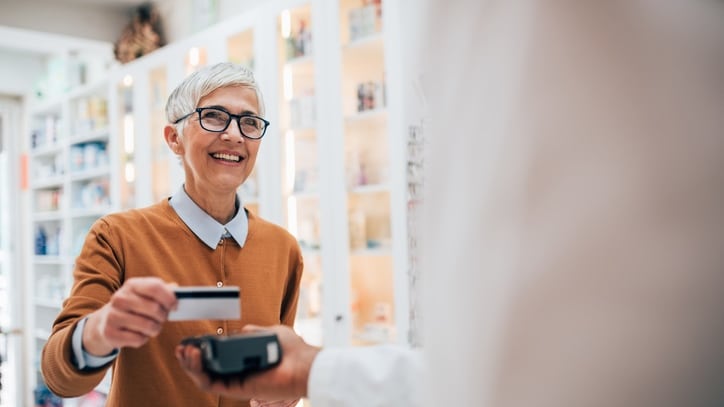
x,y
154,241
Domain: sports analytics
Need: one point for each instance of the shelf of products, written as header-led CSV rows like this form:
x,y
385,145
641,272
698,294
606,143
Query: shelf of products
x,y
300,158
70,185
49,188
367,168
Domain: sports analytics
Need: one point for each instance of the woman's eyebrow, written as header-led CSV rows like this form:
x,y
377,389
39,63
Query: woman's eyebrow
x,y
219,107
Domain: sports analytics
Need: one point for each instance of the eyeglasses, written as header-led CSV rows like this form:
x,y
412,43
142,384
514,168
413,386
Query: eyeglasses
x,y
217,120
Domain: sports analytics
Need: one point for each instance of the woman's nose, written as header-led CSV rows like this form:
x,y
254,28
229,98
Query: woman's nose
x,y
232,132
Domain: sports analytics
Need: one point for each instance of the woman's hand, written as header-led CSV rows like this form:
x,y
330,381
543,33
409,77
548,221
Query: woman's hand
x,y
134,314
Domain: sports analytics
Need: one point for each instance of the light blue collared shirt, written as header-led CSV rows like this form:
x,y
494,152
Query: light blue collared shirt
x,y
205,228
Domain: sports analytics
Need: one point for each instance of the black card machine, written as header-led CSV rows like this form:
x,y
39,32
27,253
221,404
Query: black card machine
x,y
237,355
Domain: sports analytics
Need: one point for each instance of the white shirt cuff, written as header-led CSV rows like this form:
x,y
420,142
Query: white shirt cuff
x,y
83,359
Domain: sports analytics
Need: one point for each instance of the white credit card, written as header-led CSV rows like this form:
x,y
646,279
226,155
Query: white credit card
x,y
206,302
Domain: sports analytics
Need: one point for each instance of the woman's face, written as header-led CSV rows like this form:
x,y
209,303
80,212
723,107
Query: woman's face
x,y
217,163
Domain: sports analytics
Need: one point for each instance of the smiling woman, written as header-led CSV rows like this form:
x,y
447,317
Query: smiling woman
x,y
217,158
117,314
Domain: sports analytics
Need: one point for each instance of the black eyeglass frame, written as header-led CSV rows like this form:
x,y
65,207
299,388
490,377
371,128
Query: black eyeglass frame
x,y
238,118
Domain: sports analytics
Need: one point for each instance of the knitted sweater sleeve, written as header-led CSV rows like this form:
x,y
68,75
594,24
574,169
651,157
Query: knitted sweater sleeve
x,y
97,274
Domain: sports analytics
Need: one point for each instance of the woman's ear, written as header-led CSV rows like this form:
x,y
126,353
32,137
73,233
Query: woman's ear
x,y
173,139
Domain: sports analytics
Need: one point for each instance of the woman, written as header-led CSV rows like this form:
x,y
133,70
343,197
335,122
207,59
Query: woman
x,y
117,314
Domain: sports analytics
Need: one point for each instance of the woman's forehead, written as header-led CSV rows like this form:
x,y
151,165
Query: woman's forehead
x,y
241,98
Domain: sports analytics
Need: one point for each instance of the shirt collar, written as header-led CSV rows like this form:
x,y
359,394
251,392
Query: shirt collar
x,y
204,226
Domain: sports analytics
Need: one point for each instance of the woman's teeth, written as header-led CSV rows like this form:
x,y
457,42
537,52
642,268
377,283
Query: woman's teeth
x,y
227,157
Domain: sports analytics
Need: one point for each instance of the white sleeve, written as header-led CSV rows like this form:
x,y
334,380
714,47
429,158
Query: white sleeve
x,y
385,375
83,359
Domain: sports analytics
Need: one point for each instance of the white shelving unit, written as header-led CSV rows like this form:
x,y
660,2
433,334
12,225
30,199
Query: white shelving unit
x,y
70,182
331,168
297,101
367,142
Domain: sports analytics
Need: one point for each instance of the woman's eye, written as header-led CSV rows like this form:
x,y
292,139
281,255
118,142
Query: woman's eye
x,y
250,121
214,115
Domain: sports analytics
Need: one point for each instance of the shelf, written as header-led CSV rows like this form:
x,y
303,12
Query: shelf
x,y
309,252
46,150
369,189
365,115
47,107
373,41
51,182
49,260
89,174
101,134
382,251
90,212
48,216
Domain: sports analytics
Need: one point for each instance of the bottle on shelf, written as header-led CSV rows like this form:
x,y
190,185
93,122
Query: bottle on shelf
x,y
41,240
52,245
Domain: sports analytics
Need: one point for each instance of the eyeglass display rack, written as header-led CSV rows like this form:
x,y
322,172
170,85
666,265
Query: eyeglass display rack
x,y
331,167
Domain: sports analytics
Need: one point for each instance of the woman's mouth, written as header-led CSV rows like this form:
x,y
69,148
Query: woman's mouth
x,y
227,157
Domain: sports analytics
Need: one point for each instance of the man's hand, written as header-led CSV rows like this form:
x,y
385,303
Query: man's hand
x,y
134,314
286,381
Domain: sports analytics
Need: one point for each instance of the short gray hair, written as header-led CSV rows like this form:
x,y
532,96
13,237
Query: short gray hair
x,y
185,98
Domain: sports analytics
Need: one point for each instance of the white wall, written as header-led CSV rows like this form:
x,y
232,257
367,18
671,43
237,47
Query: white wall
x,y
95,21
86,20
19,71
176,15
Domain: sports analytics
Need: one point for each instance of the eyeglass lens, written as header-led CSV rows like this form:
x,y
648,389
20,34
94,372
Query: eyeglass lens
x,y
218,120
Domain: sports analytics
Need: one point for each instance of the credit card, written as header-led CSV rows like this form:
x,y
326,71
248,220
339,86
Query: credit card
x,y
206,302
